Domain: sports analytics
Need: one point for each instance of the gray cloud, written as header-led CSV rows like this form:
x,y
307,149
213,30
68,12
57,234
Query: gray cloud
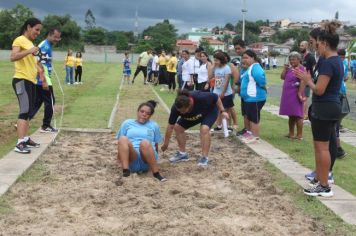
x,y
185,14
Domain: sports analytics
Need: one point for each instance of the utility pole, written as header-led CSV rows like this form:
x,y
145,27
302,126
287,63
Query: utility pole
x,y
244,11
136,23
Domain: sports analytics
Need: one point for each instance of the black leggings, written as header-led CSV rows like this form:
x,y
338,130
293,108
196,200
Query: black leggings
x,y
171,80
143,69
78,74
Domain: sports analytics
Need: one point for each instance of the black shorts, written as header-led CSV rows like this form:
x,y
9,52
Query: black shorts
x,y
253,111
228,101
322,129
242,107
25,91
155,73
208,120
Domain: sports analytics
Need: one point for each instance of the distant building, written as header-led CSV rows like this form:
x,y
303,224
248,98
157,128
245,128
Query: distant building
x,y
295,26
214,43
344,41
266,32
196,34
186,44
259,48
282,49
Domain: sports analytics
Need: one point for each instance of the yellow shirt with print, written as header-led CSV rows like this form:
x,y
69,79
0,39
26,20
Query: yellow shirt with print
x,y
162,60
172,65
78,61
70,61
25,68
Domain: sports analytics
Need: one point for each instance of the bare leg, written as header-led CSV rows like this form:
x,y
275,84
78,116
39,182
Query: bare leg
x,y
291,124
205,140
126,153
247,123
22,128
233,117
322,157
255,129
300,128
148,155
181,137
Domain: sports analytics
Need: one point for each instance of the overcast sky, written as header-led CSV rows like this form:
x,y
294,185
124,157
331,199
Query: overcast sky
x,y
185,14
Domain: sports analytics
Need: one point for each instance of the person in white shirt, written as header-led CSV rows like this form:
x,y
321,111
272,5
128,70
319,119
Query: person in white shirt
x,y
203,73
186,77
274,63
194,65
155,68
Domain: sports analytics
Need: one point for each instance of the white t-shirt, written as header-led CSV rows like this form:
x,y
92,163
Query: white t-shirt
x,y
274,61
203,73
155,65
266,61
186,71
194,65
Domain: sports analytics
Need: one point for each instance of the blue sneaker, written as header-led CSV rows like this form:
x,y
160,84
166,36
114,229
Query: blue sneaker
x,y
311,176
178,157
331,178
203,161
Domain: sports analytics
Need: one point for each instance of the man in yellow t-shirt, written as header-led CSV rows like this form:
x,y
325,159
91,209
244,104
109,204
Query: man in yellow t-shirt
x,y
24,80
142,64
172,70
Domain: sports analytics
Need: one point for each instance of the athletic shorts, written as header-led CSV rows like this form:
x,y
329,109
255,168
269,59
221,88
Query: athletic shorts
x,y
139,165
322,129
208,120
26,96
127,72
228,101
253,111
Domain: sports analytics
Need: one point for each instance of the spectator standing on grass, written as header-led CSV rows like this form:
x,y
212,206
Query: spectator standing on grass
x,y
221,73
254,94
24,80
142,65
353,69
292,98
203,73
162,74
194,65
172,71
44,95
69,63
155,68
325,110
190,109
126,68
186,78
179,70
340,151
274,63
309,63
240,48
138,141
78,68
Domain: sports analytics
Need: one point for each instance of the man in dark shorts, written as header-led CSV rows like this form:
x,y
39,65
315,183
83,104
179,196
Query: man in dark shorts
x,y
193,108
309,63
142,65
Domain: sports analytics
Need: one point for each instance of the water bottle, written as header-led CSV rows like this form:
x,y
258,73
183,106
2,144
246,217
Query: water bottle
x,y
226,131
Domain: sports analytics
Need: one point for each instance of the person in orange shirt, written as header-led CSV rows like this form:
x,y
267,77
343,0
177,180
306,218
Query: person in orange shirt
x,y
69,63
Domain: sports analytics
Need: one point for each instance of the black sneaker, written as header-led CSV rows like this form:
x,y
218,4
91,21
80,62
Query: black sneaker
x,y
217,128
241,132
340,153
22,148
48,129
319,190
31,144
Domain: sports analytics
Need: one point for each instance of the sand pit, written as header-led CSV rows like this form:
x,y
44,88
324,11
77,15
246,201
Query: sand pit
x,y
81,192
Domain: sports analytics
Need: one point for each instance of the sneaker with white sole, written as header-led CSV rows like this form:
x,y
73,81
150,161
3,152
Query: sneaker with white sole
x,y
48,129
203,161
319,190
312,175
22,148
32,144
178,157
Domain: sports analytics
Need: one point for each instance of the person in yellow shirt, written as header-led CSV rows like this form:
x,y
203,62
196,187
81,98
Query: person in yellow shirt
x,y
69,63
78,68
162,75
24,80
172,70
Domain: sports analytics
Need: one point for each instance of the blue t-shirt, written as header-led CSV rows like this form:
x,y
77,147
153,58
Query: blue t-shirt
x,y
126,63
253,84
220,80
136,132
46,60
334,68
353,64
346,71
204,103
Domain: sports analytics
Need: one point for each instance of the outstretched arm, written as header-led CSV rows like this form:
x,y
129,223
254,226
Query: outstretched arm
x,y
167,137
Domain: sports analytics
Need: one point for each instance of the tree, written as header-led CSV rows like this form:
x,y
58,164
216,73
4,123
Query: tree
x,y
11,23
351,31
117,38
274,53
207,48
89,20
96,36
229,27
162,36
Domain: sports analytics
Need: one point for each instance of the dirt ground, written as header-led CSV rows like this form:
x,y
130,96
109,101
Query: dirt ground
x,y
81,192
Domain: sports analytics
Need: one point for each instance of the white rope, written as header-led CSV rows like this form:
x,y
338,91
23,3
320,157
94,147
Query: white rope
x,y
62,92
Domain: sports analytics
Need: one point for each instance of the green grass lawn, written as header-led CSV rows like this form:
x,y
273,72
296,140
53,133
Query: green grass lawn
x,y
86,106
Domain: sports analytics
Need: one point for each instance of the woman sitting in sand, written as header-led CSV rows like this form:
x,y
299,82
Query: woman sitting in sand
x,y
138,142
